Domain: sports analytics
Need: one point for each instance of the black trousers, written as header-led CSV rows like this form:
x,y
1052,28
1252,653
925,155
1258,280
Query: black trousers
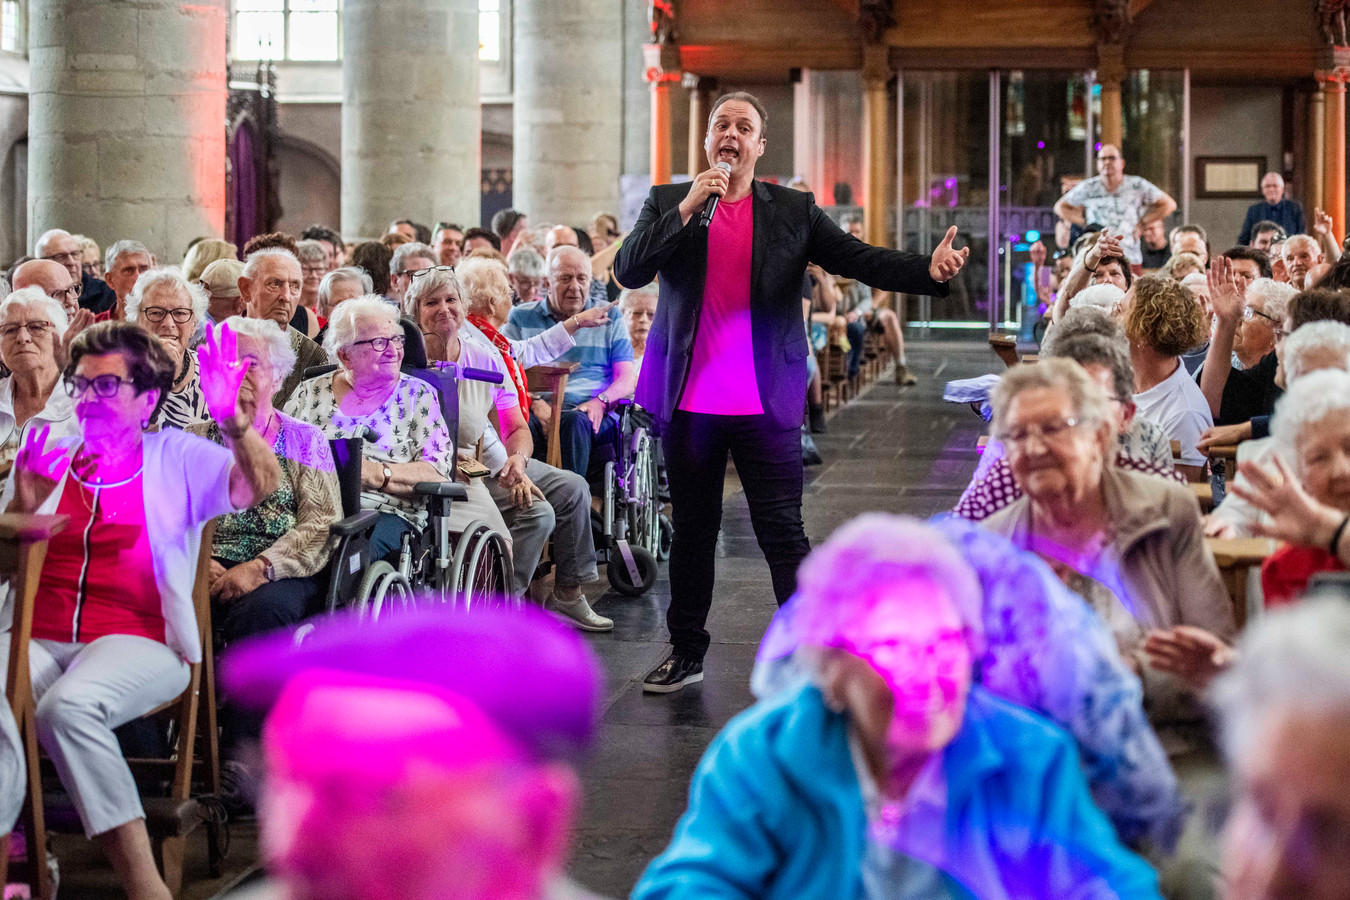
x,y
769,464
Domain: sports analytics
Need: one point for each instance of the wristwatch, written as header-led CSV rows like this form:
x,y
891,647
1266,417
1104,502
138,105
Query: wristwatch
x,y
388,474
603,398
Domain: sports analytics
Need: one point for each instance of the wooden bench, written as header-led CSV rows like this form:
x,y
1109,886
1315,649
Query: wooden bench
x,y
1235,558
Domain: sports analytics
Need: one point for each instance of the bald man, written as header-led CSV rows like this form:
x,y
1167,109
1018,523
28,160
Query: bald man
x,y
1274,207
55,281
564,236
59,246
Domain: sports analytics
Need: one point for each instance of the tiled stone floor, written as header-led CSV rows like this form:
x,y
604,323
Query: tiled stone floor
x,y
903,451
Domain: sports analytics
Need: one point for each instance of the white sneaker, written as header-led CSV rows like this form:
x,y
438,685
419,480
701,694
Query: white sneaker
x,y
578,613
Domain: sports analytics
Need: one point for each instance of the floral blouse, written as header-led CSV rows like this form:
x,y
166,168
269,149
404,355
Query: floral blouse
x,y
291,526
408,426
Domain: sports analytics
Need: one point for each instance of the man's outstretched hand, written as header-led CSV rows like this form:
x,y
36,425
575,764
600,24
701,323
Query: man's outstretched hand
x,y
947,260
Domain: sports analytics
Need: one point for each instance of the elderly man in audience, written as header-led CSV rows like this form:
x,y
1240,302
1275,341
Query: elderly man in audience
x,y
605,356
124,263
32,326
1247,387
1102,263
1129,543
860,778
1095,342
171,309
448,242
270,285
1274,209
1312,348
1190,239
341,285
408,260
1162,323
91,257
55,281
61,247
114,628
1285,712
203,253
565,236
369,393
314,265
638,306
1301,253
529,498
265,559
526,271
221,283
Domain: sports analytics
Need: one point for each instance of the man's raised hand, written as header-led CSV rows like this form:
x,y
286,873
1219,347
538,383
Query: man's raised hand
x,y
947,260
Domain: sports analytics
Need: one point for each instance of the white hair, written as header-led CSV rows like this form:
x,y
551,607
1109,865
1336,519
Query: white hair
x,y
1196,279
1300,239
1103,296
258,257
484,281
310,251
1308,348
163,277
121,248
647,290
1308,401
342,326
398,263
346,273
46,237
526,263
556,253
279,352
425,285
36,296
1293,658
1274,297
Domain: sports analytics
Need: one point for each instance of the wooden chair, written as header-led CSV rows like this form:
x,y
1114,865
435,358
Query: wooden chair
x,y
23,547
1005,346
552,380
1235,558
834,383
169,820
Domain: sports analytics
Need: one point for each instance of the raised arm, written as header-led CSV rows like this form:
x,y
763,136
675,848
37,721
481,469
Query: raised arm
x,y
841,253
256,473
1226,298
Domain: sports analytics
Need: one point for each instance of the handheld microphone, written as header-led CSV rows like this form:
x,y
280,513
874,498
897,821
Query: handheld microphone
x,y
711,206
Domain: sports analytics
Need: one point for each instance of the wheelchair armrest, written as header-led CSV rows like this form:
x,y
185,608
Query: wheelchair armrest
x,y
448,489
354,524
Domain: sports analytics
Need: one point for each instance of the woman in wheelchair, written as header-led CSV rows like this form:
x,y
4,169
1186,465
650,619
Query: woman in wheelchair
x,y
407,438
266,558
114,627
530,499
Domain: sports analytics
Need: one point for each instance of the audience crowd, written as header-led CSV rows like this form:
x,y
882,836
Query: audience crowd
x,y
1038,695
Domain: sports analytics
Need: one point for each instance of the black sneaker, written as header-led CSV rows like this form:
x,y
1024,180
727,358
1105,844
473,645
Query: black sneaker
x,y
816,414
673,674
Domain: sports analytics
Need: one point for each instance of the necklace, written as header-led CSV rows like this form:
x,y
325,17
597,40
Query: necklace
x,y
187,370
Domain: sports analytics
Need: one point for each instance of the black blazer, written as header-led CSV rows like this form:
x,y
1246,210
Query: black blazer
x,y
790,231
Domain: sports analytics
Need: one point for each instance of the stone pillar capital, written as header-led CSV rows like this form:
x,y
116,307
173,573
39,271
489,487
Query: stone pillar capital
x,y
876,68
661,64
1110,64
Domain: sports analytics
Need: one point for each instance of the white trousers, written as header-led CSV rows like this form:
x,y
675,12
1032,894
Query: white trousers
x,y
83,692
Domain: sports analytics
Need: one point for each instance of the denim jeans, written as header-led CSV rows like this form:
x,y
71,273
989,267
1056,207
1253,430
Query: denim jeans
x,y
769,464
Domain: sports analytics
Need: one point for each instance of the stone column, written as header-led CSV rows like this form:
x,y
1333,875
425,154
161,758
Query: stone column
x,y
1110,74
701,91
876,119
126,120
411,119
568,109
1332,88
663,74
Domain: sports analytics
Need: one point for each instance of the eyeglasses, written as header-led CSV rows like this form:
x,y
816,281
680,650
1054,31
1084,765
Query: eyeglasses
x,y
420,272
1108,159
71,292
104,386
1048,434
1280,335
181,316
1248,313
314,270
35,329
380,344
69,256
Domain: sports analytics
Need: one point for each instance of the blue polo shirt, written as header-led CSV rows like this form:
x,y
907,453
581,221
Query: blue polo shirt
x,y
596,350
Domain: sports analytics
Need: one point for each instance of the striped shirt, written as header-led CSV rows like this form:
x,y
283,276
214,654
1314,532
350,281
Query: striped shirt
x,y
597,349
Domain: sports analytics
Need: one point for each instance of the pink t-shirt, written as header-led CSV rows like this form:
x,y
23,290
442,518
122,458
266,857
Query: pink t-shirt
x,y
722,372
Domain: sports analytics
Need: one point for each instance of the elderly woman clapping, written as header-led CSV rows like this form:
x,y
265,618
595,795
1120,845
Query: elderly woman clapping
x,y
886,771
172,309
1130,543
114,628
31,327
266,558
369,394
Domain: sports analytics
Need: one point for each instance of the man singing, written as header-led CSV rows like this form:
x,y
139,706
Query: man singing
x,y
725,367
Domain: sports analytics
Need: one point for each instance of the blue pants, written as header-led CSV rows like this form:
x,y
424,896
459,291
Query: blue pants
x,y
577,439
856,331
387,536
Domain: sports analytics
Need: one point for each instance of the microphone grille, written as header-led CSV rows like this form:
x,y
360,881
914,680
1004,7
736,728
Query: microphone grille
x,y
724,166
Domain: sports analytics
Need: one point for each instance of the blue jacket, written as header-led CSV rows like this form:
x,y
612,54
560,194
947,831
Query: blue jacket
x,y
776,811
1288,214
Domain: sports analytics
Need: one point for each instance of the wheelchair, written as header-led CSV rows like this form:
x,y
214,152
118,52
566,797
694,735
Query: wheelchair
x,y
470,569
631,532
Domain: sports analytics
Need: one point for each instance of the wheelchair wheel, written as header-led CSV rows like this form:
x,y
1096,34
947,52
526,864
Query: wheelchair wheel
x,y
621,580
383,588
485,579
667,537
643,511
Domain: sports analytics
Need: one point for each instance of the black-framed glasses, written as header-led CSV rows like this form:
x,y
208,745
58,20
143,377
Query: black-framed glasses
x,y
71,292
105,386
181,316
1248,313
35,329
69,256
381,344
420,272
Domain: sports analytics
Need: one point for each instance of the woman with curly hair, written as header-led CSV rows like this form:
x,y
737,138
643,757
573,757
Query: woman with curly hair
x,y
1162,322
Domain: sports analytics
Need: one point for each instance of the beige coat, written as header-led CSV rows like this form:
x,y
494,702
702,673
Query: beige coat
x,y
1167,573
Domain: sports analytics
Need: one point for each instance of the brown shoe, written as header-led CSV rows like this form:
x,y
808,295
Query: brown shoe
x,y
903,376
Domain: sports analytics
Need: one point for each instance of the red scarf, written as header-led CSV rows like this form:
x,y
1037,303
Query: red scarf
x,y
512,368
